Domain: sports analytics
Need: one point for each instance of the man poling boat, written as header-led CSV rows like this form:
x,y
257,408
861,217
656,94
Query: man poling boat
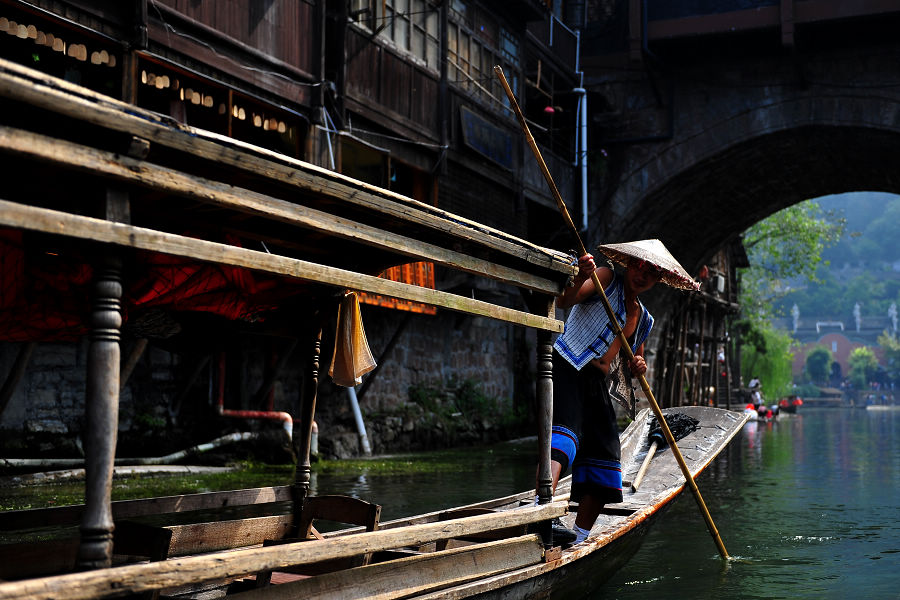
x,y
542,485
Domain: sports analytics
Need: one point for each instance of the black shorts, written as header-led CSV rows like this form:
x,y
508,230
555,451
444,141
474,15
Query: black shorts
x,y
585,431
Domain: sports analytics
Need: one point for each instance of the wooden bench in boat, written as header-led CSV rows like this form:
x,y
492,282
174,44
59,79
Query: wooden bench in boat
x,y
337,509
167,527
492,535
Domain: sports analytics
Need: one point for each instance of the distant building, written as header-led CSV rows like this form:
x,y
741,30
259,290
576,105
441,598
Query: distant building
x,y
839,337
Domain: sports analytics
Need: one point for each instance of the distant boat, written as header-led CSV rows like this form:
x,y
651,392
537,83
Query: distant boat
x,y
762,414
791,404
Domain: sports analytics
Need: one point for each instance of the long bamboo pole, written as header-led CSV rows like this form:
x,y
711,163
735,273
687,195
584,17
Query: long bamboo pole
x,y
617,329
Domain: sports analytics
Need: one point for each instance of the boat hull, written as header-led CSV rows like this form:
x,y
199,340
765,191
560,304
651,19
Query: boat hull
x,y
578,579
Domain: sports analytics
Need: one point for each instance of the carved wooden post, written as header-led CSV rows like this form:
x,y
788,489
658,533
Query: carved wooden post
x,y
544,395
102,415
544,392
101,406
300,488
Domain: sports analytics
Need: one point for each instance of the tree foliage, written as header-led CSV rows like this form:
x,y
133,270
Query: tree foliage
x,y
863,366
891,346
818,364
782,248
863,264
787,245
770,361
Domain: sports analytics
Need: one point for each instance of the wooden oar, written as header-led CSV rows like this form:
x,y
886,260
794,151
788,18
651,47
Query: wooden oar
x,y
643,470
612,318
679,424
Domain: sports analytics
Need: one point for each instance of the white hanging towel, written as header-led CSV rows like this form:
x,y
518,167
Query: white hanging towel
x,y
352,358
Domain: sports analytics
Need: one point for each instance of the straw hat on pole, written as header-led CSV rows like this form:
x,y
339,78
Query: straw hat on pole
x,y
655,253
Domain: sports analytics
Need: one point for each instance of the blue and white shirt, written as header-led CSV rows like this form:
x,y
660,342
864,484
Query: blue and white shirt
x,y
588,332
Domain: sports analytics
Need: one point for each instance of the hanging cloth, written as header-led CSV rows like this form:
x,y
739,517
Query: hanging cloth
x,y
620,387
352,358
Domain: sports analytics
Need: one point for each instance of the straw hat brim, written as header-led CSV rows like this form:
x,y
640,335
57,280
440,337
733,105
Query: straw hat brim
x,y
654,252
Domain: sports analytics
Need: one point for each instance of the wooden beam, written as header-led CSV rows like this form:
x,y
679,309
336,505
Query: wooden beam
x,y
109,164
56,95
98,230
406,577
787,23
130,579
127,509
194,538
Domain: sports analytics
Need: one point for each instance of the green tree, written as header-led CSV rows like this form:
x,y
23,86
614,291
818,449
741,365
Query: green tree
x,y
818,364
863,365
784,247
769,357
891,346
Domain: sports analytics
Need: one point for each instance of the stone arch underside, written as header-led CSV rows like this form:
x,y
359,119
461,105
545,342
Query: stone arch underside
x,y
697,192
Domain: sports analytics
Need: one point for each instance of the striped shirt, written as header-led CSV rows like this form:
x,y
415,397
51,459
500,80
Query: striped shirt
x,y
588,333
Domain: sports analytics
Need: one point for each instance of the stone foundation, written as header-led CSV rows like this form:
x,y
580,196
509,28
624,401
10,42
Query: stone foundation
x,y
489,362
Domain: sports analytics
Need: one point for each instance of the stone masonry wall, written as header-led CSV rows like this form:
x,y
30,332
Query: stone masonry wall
x,y
439,352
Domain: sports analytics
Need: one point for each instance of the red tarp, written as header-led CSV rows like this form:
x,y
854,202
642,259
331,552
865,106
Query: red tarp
x,y
45,294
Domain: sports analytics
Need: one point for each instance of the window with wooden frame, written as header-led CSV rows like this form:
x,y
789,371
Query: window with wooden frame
x,y
476,42
411,26
208,104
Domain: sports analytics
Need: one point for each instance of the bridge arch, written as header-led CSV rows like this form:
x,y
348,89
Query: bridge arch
x,y
730,142
736,158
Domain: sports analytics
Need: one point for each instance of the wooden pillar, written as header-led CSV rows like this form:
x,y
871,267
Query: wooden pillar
x,y
729,354
101,415
635,31
673,365
544,395
102,396
712,357
685,324
300,487
698,380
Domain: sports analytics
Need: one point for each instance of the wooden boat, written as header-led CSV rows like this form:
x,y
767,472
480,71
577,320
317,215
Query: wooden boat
x,y
790,405
480,550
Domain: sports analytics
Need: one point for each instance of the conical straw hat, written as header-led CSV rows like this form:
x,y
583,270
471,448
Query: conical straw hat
x,y
654,252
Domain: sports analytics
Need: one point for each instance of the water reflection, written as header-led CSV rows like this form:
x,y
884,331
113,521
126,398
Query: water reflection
x,y
808,506
459,477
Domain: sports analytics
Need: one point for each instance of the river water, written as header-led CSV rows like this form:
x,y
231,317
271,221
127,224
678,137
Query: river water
x,y
807,507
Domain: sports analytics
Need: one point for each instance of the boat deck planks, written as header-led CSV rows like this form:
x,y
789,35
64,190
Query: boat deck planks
x,y
412,576
148,577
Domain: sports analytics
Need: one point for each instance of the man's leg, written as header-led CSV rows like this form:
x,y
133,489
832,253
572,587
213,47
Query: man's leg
x,y
588,510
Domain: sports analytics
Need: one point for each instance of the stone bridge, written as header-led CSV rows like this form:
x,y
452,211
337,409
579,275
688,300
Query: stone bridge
x,y
706,121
